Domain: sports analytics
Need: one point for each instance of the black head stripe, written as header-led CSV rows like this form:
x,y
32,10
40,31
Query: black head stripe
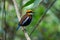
x,y
30,12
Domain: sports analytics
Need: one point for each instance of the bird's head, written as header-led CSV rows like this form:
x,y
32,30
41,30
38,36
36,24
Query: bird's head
x,y
29,12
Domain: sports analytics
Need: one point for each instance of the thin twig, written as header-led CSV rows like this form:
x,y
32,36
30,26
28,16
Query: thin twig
x,y
19,17
42,17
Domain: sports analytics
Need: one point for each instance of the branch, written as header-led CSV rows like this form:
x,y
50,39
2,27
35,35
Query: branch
x,y
26,34
17,10
42,17
18,15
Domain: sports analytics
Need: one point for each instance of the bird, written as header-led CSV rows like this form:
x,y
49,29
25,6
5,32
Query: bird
x,y
26,19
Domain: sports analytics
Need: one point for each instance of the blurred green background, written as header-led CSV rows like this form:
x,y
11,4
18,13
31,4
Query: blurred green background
x,y
48,29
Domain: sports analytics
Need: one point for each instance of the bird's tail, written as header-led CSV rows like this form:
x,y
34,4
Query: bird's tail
x,y
18,26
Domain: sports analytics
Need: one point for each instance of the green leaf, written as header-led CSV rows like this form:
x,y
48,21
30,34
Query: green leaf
x,y
28,3
36,3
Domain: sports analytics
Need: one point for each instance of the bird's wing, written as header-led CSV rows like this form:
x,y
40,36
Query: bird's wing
x,y
25,20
